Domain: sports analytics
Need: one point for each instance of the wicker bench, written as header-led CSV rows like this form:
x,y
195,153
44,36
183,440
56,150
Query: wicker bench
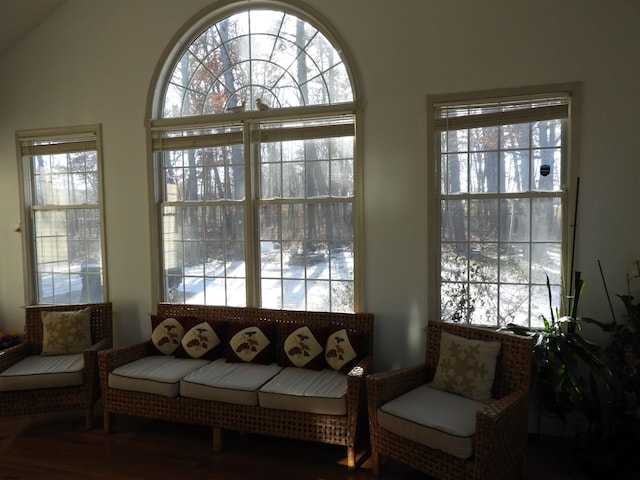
x,y
339,429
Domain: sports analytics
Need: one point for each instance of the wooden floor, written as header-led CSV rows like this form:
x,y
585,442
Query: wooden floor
x,y
57,446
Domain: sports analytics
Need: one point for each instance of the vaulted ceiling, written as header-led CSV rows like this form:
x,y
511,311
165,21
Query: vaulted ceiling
x,y
19,17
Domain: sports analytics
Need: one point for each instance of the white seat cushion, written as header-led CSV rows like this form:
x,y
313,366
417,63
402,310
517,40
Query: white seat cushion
x,y
158,374
48,371
222,381
437,419
304,390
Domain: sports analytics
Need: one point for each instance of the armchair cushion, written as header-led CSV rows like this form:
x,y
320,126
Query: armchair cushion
x,y
434,418
466,366
43,372
65,333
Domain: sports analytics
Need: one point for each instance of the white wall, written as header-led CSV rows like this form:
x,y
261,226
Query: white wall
x,y
92,62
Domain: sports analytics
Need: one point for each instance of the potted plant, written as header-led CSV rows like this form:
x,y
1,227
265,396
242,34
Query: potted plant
x,y
9,339
622,352
567,368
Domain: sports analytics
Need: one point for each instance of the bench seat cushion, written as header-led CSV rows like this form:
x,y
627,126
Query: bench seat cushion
x,y
227,382
437,419
47,371
158,374
304,390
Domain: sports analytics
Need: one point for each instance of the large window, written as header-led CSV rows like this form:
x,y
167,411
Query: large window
x,y
502,173
256,167
62,219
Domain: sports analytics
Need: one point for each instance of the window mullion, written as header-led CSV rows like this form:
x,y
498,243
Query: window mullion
x,y
251,214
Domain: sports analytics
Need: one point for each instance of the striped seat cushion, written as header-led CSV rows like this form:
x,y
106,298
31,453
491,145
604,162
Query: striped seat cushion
x,y
46,371
436,419
158,374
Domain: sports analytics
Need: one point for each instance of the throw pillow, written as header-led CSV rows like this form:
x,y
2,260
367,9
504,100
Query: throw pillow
x,y
65,333
466,367
250,343
202,339
166,333
343,349
303,347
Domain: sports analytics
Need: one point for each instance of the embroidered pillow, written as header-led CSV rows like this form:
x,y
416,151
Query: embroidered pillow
x,y
303,347
466,367
343,349
250,343
202,339
166,333
65,333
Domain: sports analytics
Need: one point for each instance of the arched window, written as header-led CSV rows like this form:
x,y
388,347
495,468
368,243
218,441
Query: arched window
x,y
254,151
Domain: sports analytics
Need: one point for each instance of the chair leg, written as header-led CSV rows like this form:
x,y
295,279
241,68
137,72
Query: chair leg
x,y
88,414
217,439
351,459
375,463
522,468
107,422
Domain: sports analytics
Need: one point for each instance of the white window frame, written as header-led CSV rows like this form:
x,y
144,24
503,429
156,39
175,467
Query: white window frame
x,y
569,180
249,122
92,275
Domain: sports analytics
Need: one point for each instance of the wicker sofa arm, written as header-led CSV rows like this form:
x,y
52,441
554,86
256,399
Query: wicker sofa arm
x,y
356,382
501,429
115,357
12,355
91,354
102,344
361,369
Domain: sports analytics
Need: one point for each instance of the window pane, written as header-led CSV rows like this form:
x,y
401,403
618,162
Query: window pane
x,y
68,262
546,219
514,220
202,244
546,171
266,54
214,173
311,243
483,220
484,139
514,171
483,168
66,179
455,173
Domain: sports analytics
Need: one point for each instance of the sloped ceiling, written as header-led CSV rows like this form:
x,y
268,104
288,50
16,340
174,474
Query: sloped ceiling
x,y
19,17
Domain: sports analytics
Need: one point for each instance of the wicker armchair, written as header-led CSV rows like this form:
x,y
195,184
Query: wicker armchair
x,y
499,448
42,400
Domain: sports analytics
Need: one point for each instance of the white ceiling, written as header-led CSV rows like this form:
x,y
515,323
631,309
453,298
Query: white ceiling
x,y
19,17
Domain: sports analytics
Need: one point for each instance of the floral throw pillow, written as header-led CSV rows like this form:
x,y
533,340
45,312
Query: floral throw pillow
x,y
250,343
303,347
166,333
466,367
66,333
343,349
201,340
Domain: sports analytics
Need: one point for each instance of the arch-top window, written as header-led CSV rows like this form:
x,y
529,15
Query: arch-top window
x,y
254,153
267,57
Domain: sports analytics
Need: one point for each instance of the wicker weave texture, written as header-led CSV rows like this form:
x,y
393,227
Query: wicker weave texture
x,y
60,398
501,426
332,429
